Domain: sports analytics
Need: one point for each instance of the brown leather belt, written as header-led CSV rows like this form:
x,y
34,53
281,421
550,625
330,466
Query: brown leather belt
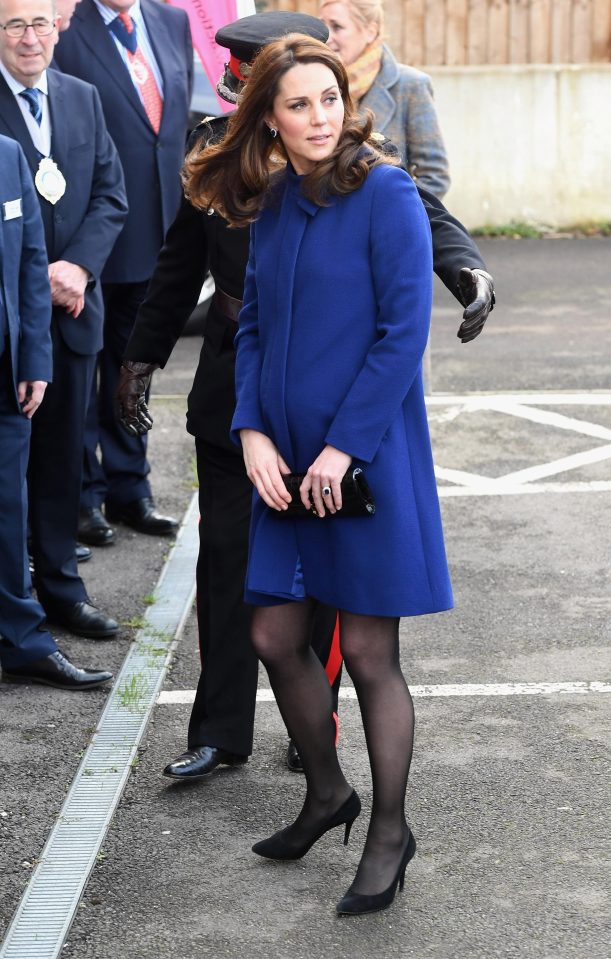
x,y
227,305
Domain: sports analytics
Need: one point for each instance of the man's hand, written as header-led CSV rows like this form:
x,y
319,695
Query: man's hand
x,y
477,291
30,394
130,398
68,283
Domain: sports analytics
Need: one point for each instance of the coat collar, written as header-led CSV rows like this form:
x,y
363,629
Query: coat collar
x,y
294,181
378,98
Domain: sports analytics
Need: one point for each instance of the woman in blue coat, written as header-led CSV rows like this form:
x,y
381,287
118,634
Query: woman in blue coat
x,y
332,332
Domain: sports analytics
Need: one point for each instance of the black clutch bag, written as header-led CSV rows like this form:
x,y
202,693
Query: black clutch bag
x,y
357,498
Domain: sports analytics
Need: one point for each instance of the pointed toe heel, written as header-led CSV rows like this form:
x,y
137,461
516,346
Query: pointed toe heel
x,y
357,904
279,847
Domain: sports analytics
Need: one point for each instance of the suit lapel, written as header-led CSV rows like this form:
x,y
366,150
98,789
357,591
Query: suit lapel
x,y
96,35
60,121
12,117
378,97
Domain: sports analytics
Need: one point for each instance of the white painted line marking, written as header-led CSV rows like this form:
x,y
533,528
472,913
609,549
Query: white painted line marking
x,y
577,460
185,697
549,418
473,400
595,486
523,481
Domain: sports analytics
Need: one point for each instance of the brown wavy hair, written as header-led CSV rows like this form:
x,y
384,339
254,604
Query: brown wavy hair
x,y
233,175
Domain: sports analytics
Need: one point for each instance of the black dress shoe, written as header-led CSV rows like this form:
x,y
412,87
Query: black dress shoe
x,y
56,670
83,619
201,761
142,515
93,528
293,759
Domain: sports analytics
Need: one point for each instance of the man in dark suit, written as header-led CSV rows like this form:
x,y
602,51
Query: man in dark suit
x,y
221,723
28,652
139,57
59,124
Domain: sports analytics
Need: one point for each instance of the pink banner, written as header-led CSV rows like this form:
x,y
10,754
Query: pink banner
x,y
206,17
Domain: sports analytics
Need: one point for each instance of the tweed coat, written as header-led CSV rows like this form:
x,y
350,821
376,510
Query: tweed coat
x,y
334,324
401,99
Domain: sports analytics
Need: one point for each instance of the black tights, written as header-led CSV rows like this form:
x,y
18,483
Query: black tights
x,y
370,647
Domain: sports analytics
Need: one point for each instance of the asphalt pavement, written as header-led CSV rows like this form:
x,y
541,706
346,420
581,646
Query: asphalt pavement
x,y
508,796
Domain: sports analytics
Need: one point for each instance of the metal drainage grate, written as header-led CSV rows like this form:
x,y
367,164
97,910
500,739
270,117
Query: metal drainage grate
x,y
47,908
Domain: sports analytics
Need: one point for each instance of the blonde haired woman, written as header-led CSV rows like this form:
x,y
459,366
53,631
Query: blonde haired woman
x,y
400,97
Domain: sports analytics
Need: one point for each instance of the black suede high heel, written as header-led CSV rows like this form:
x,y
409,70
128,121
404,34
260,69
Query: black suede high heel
x,y
276,847
357,904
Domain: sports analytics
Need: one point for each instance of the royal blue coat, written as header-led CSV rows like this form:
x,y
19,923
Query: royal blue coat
x,y
329,351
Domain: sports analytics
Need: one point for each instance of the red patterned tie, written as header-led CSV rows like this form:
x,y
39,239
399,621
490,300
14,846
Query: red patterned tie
x,y
144,77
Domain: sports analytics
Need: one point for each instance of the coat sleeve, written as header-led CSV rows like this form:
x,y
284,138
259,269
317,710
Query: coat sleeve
x,y
401,265
248,413
427,158
453,247
35,352
92,242
173,290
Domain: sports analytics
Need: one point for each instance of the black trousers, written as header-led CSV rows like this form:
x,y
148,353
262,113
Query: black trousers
x,y
54,476
224,708
121,474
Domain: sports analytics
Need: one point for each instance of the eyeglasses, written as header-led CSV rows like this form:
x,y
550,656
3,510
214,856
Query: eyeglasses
x,y
17,28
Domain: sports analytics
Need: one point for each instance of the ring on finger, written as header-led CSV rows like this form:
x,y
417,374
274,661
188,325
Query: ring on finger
x,y
326,491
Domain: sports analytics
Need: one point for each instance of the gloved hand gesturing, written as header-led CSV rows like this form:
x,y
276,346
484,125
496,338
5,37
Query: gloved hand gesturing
x,y
130,398
477,291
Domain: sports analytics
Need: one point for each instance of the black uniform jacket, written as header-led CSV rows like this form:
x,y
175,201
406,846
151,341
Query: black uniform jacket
x,y
197,242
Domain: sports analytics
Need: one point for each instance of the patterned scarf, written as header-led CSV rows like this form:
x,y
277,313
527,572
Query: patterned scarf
x,y
365,69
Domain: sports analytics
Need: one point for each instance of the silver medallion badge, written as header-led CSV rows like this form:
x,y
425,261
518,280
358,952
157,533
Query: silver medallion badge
x,y
49,180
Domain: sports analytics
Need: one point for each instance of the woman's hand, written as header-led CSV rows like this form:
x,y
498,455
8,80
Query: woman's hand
x,y
264,467
326,472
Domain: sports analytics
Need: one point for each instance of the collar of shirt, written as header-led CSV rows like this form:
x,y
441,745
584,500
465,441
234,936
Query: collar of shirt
x,y
108,15
40,135
16,87
135,13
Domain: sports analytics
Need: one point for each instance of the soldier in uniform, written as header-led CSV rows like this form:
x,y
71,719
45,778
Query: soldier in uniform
x,y
222,718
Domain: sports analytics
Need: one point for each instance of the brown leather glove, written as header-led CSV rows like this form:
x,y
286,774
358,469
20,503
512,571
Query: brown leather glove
x,y
130,398
477,294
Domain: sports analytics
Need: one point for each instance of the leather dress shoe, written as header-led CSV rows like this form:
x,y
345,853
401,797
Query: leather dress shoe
x,y
83,619
57,670
142,515
201,761
293,759
93,528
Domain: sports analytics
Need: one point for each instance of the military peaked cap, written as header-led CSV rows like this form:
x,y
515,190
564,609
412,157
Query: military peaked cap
x,y
244,38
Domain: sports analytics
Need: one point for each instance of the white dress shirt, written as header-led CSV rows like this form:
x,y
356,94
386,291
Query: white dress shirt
x,y
142,36
41,135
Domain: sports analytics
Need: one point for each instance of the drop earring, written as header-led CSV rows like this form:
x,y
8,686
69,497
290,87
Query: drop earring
x,y
273,132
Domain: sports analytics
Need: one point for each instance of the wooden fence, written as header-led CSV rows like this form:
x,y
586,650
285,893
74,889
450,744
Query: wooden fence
x,y
471,32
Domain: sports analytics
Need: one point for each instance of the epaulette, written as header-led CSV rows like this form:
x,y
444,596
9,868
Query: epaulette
x,y
209,119
208,130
